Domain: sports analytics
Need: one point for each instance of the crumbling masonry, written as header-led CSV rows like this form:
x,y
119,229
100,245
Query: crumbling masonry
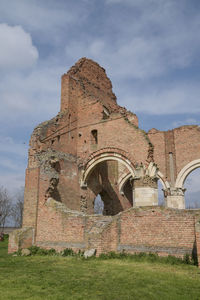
x,y
94,147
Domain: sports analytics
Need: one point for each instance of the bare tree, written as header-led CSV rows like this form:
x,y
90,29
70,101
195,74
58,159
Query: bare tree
x,y
5,207
17,208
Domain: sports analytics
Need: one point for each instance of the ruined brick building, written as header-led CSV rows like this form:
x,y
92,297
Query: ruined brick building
x,y
95,147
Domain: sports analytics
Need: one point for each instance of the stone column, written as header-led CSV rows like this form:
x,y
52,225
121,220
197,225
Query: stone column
x,y
175,198
145,189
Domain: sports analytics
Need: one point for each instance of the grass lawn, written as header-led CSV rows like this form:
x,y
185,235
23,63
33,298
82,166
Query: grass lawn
x,y
55,277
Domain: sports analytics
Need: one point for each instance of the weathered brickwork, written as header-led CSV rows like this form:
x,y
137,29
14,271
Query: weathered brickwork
x,y
156,230
94,147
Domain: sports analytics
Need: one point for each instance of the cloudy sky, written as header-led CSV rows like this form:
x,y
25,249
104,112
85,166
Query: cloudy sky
x,y
149,48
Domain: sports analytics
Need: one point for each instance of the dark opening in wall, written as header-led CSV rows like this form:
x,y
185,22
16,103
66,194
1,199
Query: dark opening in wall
x,y
106,114
94,137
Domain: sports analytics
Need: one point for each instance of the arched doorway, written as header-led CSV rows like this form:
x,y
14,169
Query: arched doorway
x,y
102,183
101,178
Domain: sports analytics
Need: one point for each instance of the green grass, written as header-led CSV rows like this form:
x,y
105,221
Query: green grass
x,y
56,277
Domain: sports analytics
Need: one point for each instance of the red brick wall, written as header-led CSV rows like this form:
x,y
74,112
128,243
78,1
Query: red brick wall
x,y
187,144
150,229
182,142
31,197
161,230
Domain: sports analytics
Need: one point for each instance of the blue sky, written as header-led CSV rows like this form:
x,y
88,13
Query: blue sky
x,y
149,48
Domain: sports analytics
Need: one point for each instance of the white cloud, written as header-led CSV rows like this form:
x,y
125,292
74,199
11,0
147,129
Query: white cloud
x,y
32,97
13,161
138,61
161,99
12,181
9,146
17,50
96,47
9,164
151,39
45,18
139,57
187,121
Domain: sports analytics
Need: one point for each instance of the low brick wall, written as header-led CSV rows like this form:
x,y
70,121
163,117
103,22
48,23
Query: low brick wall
x,y
148,229
20,238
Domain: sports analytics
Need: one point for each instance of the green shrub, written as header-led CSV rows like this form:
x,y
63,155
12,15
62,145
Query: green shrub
x,y
153,256
80,253
150,257
186,259
68,252
123,254
34,250
113,254
42,251
142,254
103,256
19,252
172,260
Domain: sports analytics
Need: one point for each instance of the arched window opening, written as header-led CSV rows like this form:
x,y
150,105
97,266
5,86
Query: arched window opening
x,y
161,199
94,137
104,177
192,193
98,205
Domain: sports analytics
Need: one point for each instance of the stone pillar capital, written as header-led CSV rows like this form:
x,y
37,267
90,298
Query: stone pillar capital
x,y
176,191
